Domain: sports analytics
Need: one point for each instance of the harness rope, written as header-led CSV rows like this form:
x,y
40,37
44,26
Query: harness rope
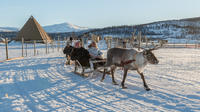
x,y
126,62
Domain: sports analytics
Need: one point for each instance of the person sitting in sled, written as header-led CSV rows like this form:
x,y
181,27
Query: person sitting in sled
x,y
77,44
95,53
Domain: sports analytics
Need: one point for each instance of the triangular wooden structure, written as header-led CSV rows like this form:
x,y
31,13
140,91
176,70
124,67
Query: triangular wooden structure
x,y
2,40
32,31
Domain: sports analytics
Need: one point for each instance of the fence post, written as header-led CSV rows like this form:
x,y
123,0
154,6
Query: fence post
x,y
22,47
58,43
34,42
146,40
110,42
124,43
116,42
48,48
26,50
133,37
46,45
52,46
139,40
6,48
62,44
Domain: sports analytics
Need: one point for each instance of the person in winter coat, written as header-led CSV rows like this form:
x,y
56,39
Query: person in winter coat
x,y
77,44
95,53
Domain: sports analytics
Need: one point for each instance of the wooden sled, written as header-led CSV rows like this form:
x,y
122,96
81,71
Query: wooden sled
x,y
87,71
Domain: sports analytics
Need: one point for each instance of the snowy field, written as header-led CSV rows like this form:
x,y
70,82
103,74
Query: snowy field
x,y
43,83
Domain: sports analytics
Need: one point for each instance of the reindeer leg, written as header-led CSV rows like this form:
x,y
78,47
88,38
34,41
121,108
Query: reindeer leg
x,y
104,74
124,78
68,58
75,69
67,62
144,82
112,73
83,70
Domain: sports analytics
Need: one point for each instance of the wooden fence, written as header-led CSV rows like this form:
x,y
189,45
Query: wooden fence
x,y
34,48
30,48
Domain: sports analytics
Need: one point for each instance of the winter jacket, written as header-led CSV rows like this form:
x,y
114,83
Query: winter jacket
x,y
95,52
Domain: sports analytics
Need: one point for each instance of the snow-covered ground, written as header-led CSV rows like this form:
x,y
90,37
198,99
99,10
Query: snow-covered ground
x,y
44,83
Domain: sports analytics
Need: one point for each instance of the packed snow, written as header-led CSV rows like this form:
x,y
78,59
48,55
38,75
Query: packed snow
x,y
44,83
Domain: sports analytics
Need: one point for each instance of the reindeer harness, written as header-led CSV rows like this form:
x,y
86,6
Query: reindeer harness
x,y
128,61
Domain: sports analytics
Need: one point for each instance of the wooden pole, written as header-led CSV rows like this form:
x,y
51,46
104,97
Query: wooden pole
x,y
116,42
22,47
34,47
139,40
26,50
124,43
146,40
58,44
133,35
46,45
133,38
52,46
6,48
110,42
63,43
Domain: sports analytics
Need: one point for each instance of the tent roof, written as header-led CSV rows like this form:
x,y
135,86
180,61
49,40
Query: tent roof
x,y
32,31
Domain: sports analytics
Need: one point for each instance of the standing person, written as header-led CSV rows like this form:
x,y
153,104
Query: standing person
x,y
70,41
95,53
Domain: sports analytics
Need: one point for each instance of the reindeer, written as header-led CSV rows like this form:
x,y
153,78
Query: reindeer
x,y
68,50
129,59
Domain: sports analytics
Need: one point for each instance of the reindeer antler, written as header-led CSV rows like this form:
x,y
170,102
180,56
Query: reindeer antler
x,y
136,46
155,48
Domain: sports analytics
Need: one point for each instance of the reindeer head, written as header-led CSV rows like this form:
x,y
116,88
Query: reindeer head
x,y
67,50
150,56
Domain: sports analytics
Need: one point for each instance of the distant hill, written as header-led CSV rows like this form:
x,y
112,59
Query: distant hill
x,y
63,27
188,28
8,29
179,29
195,19
56,28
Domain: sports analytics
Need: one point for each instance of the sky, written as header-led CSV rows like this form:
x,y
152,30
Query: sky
x,y
95,13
